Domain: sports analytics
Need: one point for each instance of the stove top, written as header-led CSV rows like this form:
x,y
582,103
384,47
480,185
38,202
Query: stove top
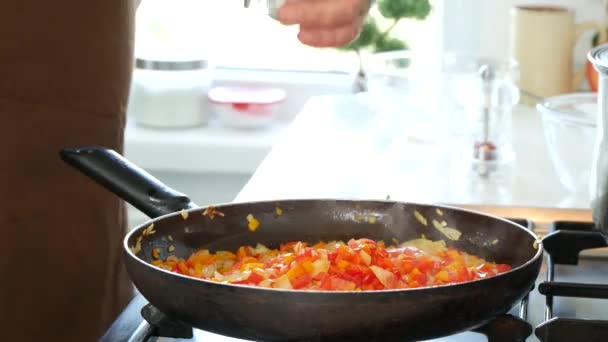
x,y
568,303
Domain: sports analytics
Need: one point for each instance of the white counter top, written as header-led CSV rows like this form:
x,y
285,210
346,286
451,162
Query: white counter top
x,y
209,149
338,147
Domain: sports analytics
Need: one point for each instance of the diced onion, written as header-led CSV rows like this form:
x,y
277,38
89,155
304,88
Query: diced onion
x,y
283,283
366,258
448,232
319,267
385,277
420,218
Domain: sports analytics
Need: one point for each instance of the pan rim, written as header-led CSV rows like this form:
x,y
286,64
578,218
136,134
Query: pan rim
x,y
129,252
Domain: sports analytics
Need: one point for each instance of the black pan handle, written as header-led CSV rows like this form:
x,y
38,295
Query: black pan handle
x,y
126,180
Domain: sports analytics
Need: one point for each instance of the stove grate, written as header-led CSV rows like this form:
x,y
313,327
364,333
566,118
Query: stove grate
x,y
563,245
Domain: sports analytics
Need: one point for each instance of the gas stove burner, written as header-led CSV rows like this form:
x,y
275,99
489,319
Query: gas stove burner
x,y
554,288
568,239
567,329
563,245
506,328
163,325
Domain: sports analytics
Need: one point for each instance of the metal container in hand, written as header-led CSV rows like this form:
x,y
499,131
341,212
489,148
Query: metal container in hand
x,y
271,5
599,169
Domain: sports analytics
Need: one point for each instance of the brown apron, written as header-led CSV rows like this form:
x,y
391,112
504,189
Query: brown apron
x,y
65,69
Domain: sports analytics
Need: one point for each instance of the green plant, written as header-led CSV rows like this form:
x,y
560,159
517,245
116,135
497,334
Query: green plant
x,y
377,40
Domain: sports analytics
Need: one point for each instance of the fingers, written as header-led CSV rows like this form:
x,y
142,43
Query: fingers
x,y
325,23
322,13
330,37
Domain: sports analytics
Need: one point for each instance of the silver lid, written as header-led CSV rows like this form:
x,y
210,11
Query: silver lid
x,y
599,57
170,65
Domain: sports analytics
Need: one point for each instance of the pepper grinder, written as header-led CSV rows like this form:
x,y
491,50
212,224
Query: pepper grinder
x,y
484,150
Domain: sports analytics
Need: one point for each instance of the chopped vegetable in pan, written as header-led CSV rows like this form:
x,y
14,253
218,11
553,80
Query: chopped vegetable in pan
x,y
359,265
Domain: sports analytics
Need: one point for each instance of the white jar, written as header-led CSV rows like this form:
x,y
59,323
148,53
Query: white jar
x,y
170,94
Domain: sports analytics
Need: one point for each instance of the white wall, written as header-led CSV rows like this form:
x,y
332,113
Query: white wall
x,y
460,25
482,26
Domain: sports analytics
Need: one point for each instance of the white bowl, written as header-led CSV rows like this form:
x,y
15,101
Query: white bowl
x,y
569,128
246,107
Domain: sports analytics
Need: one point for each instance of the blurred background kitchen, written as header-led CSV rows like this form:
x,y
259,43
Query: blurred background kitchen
x,y
451,101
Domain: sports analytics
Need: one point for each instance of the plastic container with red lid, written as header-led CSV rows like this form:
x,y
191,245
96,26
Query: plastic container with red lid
x,y
246,107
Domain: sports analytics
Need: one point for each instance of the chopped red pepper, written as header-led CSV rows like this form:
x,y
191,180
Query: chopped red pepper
x,y
358,265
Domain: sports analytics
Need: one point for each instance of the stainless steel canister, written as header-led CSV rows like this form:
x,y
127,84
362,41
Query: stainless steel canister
x,y
272,6
599,172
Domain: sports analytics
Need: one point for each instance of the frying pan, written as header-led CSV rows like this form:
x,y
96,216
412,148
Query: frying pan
x,y
282,315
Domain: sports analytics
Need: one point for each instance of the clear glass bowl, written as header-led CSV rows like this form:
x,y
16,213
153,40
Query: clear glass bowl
x,y
569,123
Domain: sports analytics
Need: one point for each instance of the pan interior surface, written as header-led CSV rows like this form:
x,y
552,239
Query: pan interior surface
x,y
226,227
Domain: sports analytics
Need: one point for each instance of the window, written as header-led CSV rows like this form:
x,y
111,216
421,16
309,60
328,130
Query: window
x,y
232,36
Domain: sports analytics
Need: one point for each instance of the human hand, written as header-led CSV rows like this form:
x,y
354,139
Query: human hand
x,y
325,23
